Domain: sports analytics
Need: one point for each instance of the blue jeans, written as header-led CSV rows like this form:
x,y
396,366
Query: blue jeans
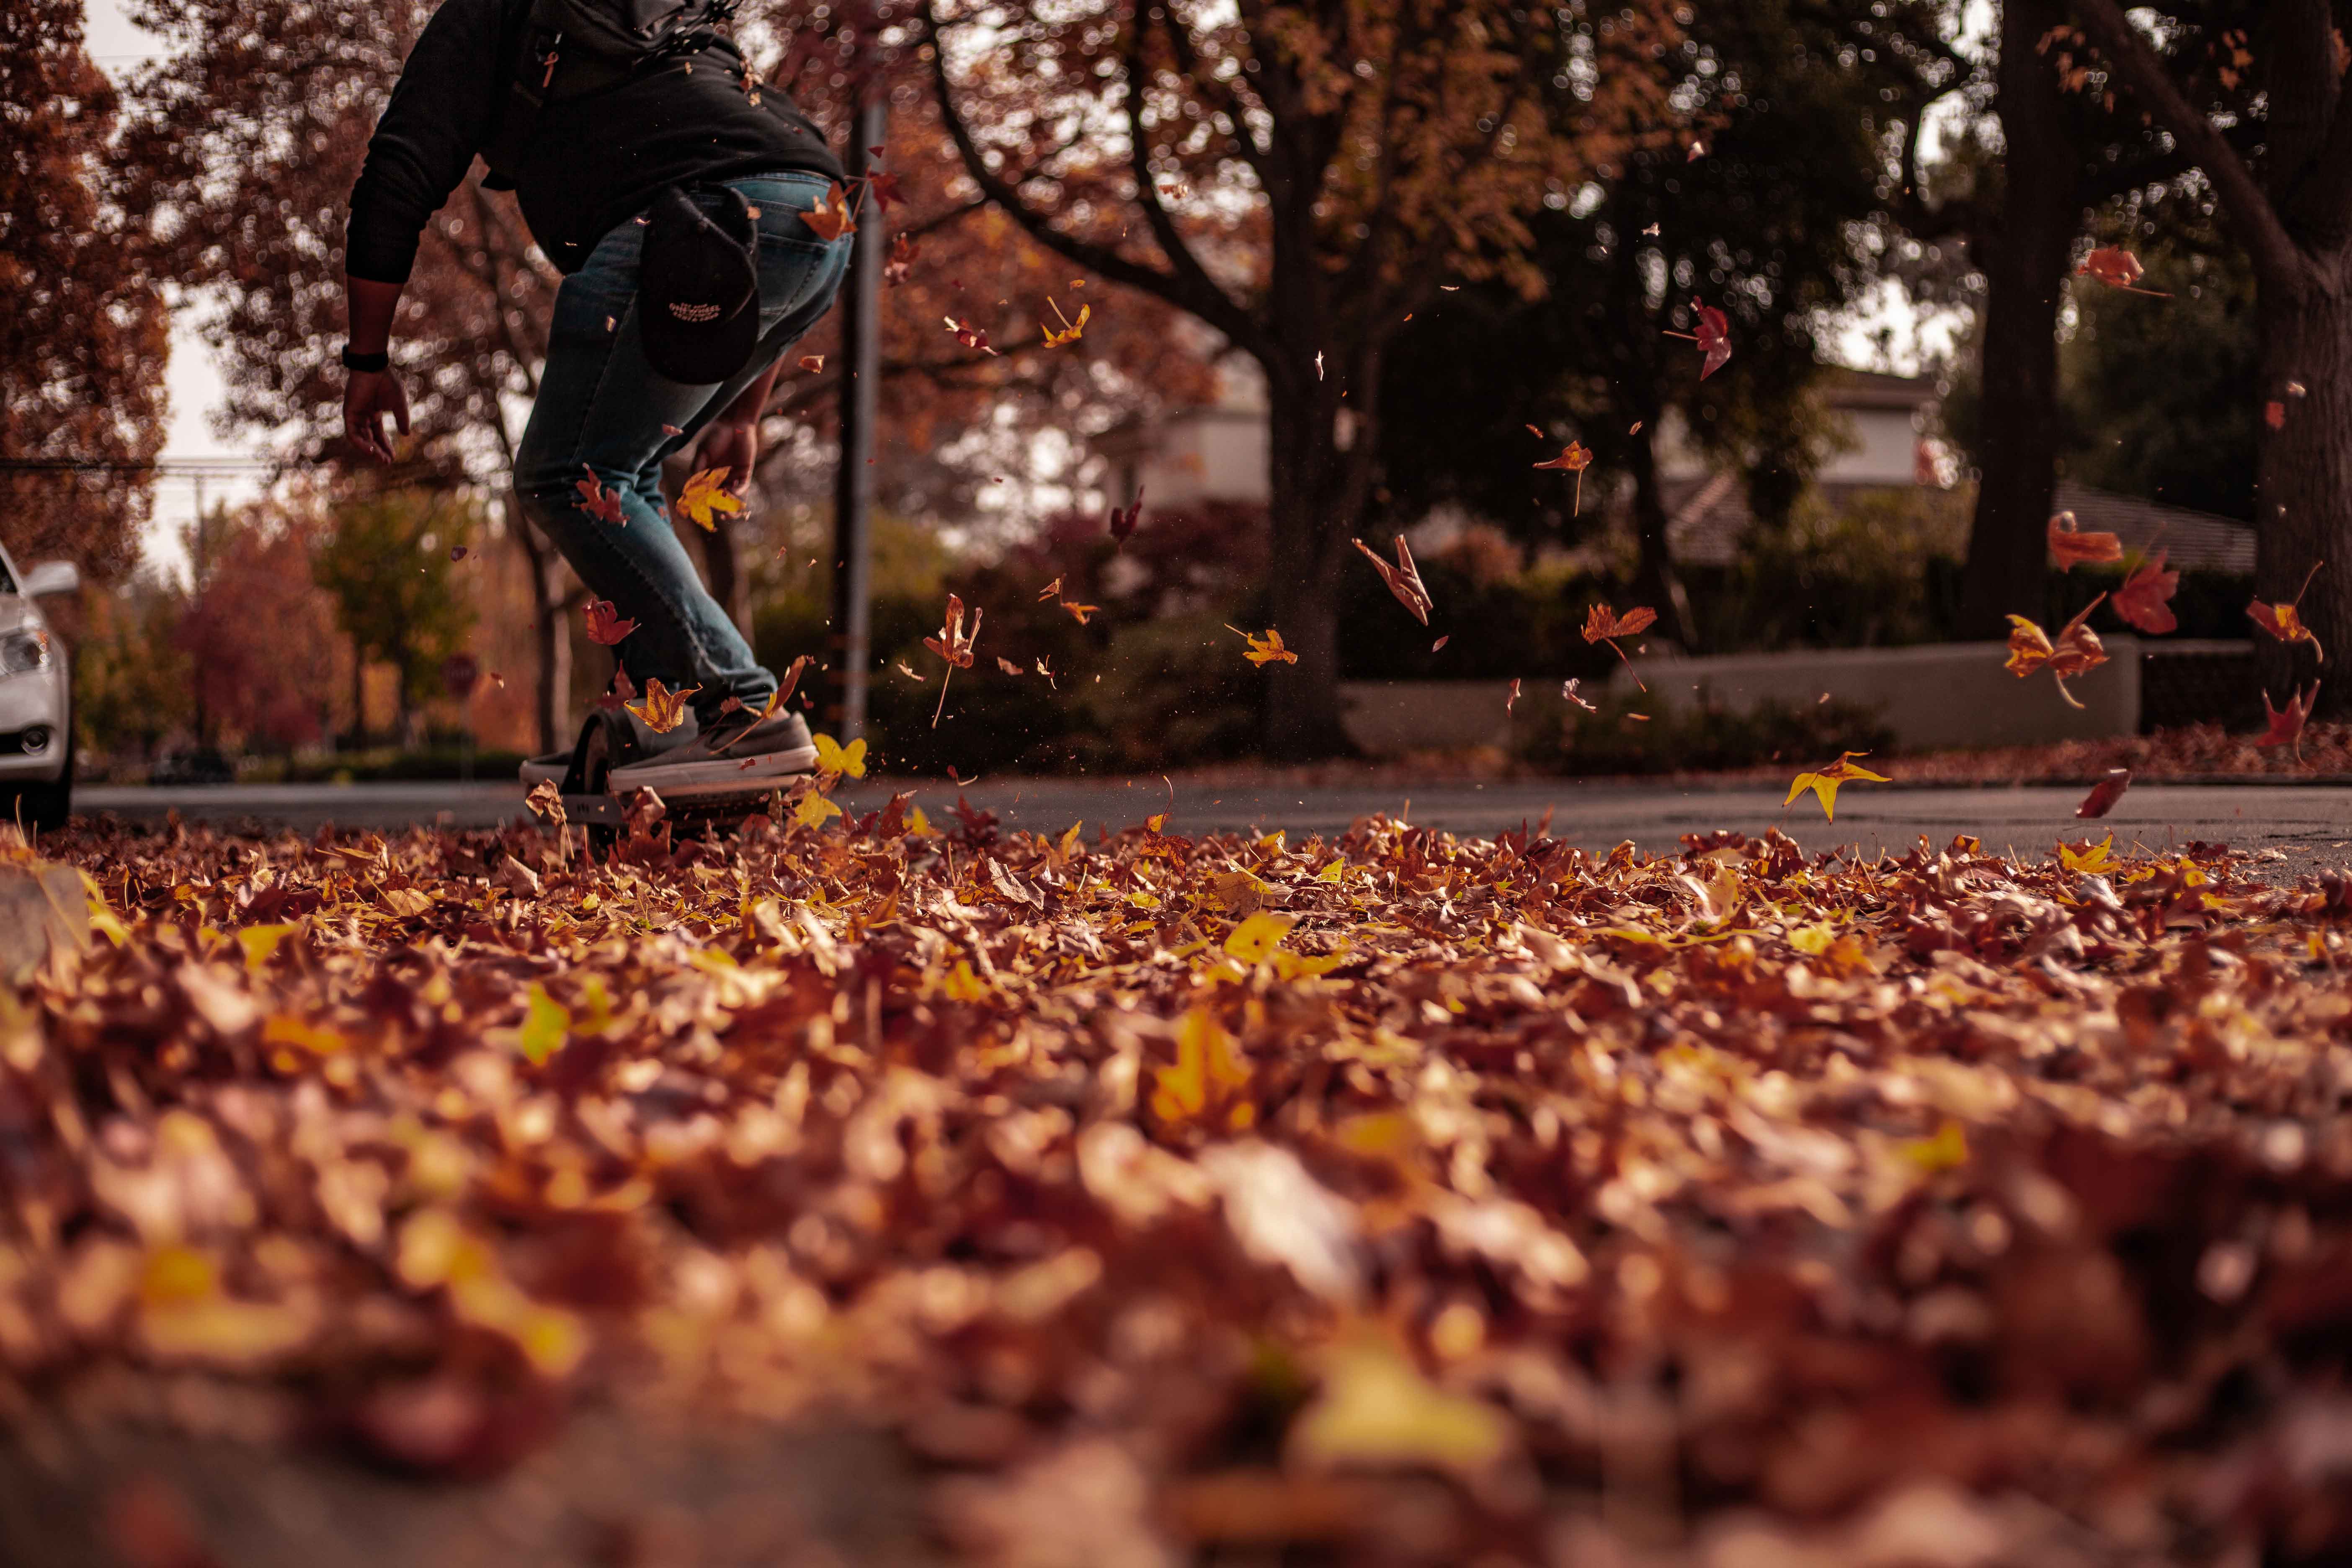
x,y
601,408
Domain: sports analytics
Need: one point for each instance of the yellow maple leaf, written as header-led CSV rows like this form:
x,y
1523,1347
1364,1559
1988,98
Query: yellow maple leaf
x,y
1259,935
705,494
2092,860
814,811
1265,650
1825,783
1209,1064
662,710
833,757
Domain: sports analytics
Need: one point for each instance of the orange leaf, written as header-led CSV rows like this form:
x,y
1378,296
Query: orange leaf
x,y
2286,622
605,622
1080,611
2117,268
831,218
2074,549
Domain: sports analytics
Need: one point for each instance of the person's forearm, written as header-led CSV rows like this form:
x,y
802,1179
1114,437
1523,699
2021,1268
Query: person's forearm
x,y
372,304
754,398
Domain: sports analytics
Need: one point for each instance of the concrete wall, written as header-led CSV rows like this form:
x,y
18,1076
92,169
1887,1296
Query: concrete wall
x,y
1387,716
1945,694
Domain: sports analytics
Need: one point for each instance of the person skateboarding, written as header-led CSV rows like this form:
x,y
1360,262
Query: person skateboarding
x,y
669,189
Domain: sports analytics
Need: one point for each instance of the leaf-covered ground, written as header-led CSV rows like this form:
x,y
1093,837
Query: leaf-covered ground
x,y
1397,1199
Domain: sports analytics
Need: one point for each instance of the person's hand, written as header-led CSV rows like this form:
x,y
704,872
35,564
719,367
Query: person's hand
x,y
368,396
732,447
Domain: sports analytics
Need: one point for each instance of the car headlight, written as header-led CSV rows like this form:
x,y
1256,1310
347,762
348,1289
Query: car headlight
x,y
23,652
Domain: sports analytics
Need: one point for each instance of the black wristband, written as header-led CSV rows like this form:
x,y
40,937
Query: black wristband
x,y
355,361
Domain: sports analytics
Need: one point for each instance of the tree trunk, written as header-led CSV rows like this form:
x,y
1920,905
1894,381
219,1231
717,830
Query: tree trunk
x,y
2024,260
550,630
359,697
1656,581
2303,504
1310,546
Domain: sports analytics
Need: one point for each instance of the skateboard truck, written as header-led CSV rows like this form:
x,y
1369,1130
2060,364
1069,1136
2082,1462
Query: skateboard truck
x,y
611,740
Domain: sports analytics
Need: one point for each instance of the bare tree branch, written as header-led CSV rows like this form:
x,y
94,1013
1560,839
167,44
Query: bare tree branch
x,y
1213,307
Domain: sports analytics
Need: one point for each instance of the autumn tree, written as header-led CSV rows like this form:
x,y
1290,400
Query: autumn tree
x,y
387,560
84,336
1301,177
244,147
1769,213
2253,94
252,605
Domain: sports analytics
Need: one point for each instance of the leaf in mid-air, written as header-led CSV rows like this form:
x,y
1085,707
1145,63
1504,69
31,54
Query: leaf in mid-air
x,y
605,622
1404,578
599,503
2144,600
2076,650
705,495
662,710
2287,726
1824,783
833,757
2105,794
831,218
2075,548
1266,649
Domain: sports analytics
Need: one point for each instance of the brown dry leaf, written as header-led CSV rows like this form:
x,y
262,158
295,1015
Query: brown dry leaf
x,y
1403,579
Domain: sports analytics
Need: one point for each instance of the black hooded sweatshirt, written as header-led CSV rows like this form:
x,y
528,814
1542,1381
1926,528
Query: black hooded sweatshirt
x,y
593,161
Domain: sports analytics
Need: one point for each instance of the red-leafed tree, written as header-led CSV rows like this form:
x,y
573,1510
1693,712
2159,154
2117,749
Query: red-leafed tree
x,y
84,333
2254,93
252,602
1301,177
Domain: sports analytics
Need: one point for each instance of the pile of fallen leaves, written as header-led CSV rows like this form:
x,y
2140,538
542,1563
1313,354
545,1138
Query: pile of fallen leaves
x,y
1418,1199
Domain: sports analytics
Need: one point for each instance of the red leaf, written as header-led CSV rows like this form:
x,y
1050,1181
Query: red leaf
x,y
2144,599
605,622
1714,339
2105,794
599,503
2286,726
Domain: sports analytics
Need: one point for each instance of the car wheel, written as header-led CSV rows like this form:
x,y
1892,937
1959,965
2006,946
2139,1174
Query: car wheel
x,y
46,806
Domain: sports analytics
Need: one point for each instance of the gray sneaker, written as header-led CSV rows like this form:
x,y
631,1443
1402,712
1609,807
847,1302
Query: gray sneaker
x,y
732,756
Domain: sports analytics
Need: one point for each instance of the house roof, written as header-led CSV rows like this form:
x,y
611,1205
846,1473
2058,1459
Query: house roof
x,y
1707,517
1846,389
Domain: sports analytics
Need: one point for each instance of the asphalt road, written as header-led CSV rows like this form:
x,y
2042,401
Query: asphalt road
x,y
2312,825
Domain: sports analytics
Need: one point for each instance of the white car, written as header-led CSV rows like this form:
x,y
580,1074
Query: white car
x,y
37,746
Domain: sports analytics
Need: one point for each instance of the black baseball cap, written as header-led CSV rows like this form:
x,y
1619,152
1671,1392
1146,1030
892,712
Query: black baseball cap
x,y
698,287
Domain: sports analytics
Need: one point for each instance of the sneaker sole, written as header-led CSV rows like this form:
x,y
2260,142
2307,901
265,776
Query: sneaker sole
x,y
535,773
721,776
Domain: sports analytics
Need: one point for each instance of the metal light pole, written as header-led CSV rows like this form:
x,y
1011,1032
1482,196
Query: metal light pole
x,y
853,492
